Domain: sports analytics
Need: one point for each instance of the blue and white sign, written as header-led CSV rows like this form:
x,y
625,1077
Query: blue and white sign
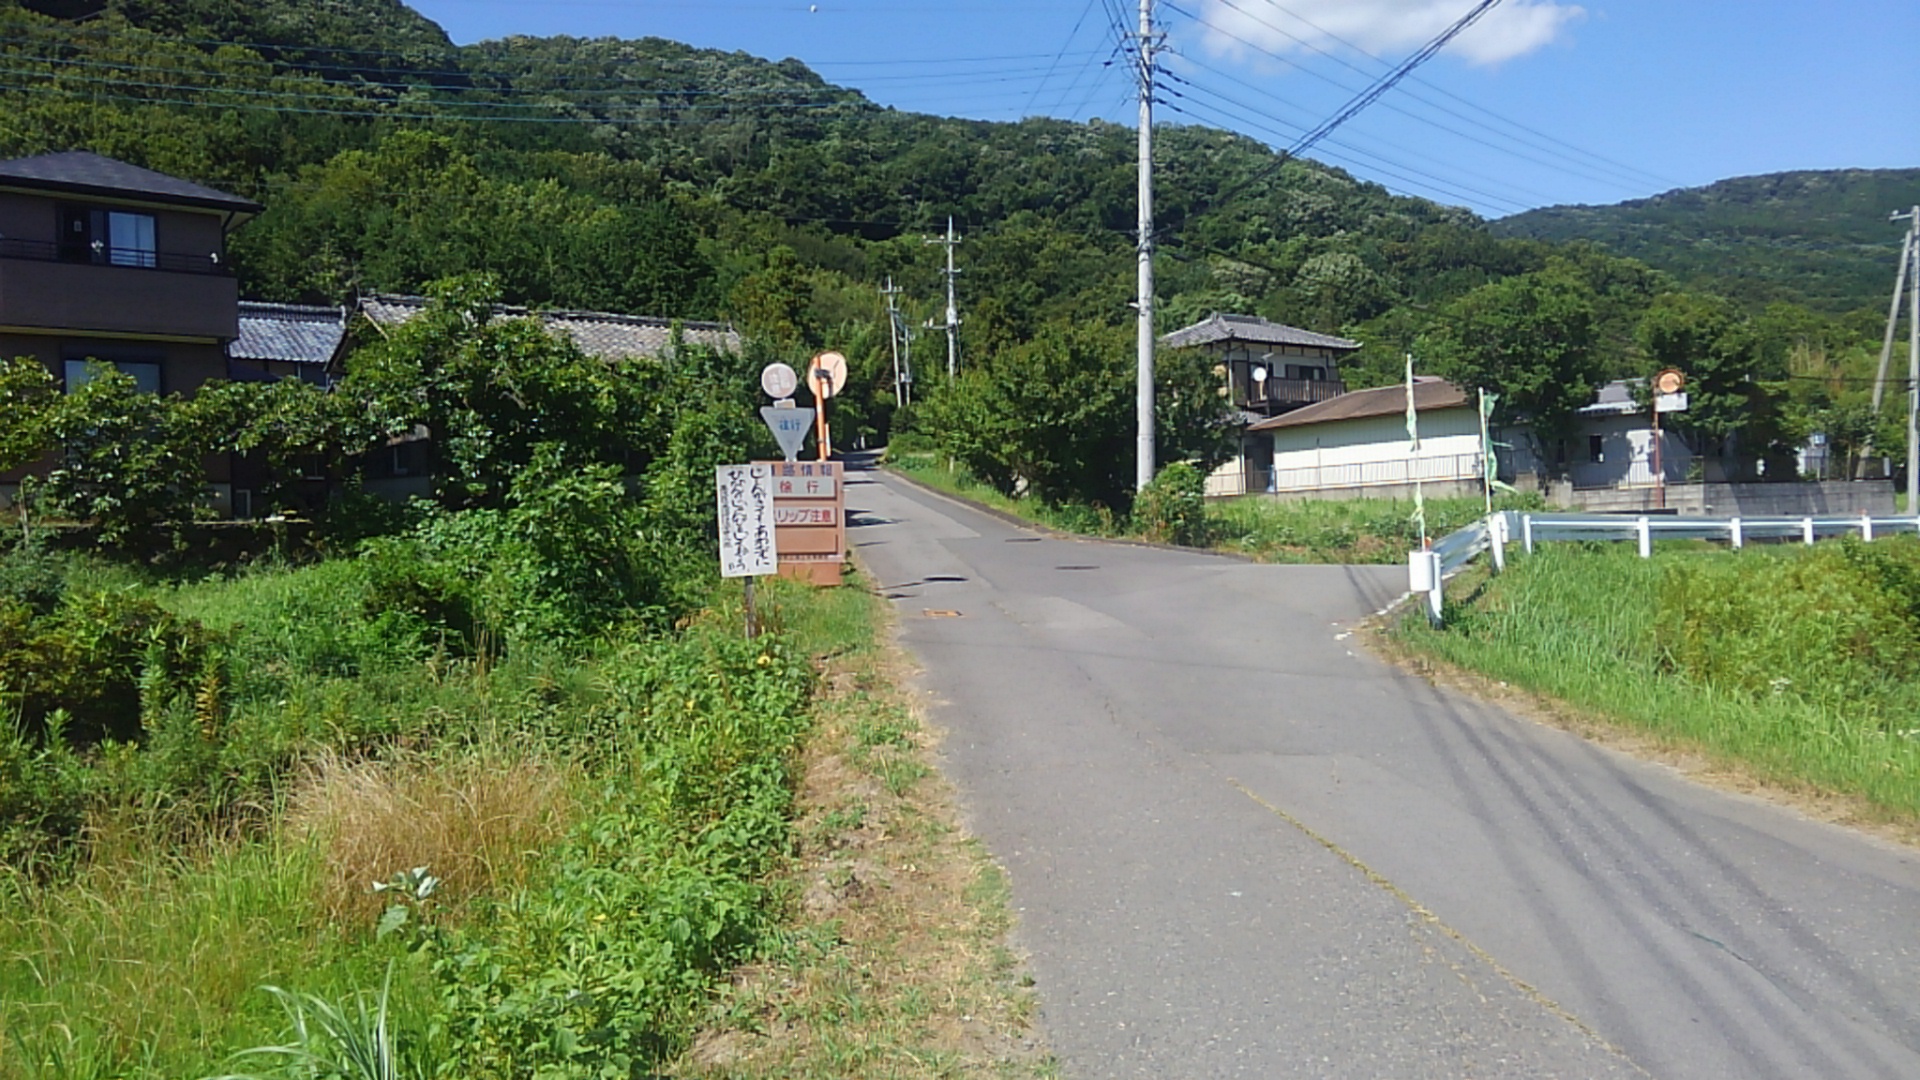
x,y
789,427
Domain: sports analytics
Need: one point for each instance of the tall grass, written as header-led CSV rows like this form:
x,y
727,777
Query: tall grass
x,y
1657,645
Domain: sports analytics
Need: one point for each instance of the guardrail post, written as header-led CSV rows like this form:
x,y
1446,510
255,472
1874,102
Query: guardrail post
x,y
1733,534
1497,541
1646,538
1806,530
1526,532
1866,527
1423,576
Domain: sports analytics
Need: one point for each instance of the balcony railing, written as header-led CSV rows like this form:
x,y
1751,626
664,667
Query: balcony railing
x,y
138,258
1294,391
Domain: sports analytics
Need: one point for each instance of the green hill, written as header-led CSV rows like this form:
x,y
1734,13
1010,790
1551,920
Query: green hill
x,y
1817,238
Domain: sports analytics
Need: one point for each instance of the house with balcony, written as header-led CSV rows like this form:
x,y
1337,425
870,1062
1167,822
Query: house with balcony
x,y
1267,369
105,262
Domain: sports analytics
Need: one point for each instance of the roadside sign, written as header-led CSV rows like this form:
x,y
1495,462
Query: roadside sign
x,y
789,426
778,380
1666,403
810,520
827,374
747,546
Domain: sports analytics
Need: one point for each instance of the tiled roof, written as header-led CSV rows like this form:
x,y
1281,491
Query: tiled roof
x,y
1616,399
290,333
597,333
1254,331
90,174
1429,392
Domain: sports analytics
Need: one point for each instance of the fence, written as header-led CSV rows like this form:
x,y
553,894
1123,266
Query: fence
x,y
1427,571
1378,473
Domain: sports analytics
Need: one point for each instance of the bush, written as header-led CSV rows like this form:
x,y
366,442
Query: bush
x,y
1173,508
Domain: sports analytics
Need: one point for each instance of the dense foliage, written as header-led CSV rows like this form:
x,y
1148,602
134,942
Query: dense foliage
x,y
1816,238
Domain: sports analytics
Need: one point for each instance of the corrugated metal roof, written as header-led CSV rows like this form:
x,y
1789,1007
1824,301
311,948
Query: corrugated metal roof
x,y
1253,330
604,334
79,171
290,333
1429,392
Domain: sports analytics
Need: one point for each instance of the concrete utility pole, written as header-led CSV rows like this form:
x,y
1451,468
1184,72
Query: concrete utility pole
x,y
952,325
1913,368
1144,463
893,340
1908,256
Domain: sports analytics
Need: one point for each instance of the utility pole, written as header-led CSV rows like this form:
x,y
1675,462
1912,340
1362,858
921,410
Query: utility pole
x,y
893,340
1908,257
1913,368
952,325
1144,463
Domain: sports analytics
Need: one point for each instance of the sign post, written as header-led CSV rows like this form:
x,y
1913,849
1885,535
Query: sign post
x,y
747,542
825,376
1667,397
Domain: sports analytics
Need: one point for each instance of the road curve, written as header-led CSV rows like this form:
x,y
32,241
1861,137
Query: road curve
x,y
1240,846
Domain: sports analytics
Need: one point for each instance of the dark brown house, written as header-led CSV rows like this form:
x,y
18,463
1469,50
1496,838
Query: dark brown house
x,y
105,261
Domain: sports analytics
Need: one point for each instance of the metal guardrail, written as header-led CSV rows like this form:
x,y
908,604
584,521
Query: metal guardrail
x,y
1428,570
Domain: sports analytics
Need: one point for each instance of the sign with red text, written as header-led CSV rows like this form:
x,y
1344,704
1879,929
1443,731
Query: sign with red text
x,y
809,515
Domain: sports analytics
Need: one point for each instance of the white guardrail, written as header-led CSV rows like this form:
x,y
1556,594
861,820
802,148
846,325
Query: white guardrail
x,y
1428,570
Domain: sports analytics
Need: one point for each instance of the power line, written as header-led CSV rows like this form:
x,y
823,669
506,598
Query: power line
x,y
1568,166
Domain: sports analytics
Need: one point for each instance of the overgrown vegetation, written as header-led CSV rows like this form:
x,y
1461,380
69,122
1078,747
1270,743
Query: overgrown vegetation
x,y
1788,661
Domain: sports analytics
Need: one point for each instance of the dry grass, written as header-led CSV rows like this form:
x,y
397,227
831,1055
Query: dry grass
x,y
476,822
898,963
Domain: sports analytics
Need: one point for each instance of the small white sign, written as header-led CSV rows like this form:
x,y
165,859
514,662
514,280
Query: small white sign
x,y
812,481
778,380
789,427
746,521
1670,403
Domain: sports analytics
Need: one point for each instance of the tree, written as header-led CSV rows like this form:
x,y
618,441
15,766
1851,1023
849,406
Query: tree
x,y
1719,351
130,462
1055,416
26,398
490,390
1529,339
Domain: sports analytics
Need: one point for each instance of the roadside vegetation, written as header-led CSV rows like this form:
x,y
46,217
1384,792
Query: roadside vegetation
x,y
487,786
1792,663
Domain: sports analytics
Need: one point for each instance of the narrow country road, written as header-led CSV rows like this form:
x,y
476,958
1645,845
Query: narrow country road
x,y
1240,846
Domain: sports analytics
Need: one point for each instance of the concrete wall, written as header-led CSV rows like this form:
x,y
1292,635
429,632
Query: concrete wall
x,y
1738,500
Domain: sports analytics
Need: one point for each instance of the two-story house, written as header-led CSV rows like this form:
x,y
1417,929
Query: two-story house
x,y
107,262
1267,369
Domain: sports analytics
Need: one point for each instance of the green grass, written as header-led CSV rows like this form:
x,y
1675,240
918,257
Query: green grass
x,y
932,469
196,885
1725,652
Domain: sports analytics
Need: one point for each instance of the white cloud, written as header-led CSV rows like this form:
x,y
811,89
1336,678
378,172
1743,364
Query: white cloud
x,y
1511,29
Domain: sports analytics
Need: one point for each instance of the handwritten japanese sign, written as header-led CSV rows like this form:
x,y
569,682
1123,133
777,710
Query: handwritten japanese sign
x,y
746,520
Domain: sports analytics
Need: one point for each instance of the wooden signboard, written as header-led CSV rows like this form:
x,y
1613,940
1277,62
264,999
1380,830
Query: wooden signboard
x,y
809,519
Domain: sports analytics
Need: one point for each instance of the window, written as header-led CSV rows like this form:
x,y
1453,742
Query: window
x,y
112,237
1596,449
1304,371
83,363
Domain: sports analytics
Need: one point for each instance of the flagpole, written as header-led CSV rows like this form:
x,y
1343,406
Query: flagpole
x,y
1486,452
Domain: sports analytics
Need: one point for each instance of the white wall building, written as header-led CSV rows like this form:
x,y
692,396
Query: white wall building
x,y
1356,444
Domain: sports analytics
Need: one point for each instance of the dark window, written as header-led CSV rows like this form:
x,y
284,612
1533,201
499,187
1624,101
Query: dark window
x,y
1596,449
1303,371
110,237
144,364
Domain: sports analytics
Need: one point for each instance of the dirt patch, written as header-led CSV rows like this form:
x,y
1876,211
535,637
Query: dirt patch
x,y
1686,759
897,962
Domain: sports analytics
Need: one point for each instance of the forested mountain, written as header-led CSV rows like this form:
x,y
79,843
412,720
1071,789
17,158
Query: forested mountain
x,y
648,176
1816,238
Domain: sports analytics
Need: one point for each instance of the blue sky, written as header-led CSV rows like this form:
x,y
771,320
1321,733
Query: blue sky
x,y
1542,102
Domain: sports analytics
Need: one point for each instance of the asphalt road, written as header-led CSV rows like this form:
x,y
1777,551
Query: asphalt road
x,y
1241,846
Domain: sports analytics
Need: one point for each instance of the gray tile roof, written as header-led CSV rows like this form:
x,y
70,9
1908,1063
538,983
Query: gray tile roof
x,y
290,333
1253,330
90,174
1429,392
1616,399
597,333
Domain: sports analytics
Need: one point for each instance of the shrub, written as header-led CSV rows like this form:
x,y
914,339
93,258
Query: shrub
x,y
1173,508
